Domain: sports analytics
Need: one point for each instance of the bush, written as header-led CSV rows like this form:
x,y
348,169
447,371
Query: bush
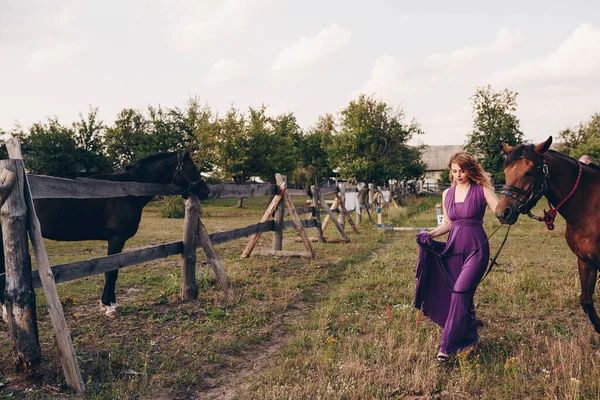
x,y
172,207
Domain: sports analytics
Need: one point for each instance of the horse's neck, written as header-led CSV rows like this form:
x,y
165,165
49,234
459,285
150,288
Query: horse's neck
x,y
563,177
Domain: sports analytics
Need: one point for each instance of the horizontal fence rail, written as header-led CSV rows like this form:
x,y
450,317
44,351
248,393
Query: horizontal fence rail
x,y
49,187
81,269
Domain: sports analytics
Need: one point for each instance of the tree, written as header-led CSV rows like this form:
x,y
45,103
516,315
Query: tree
x,y
51,149
371,145
233,144
494,122
89,135
128,139
584,139
314,158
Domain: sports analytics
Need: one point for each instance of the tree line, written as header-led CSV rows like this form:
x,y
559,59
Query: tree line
x,y
367,142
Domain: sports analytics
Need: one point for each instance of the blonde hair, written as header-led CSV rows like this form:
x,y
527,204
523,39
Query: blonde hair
x,y
469,164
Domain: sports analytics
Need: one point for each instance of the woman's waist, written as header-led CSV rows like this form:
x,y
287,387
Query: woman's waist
x,y
467,222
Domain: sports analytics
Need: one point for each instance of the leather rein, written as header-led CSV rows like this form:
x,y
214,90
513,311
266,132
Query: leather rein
x,y
527,199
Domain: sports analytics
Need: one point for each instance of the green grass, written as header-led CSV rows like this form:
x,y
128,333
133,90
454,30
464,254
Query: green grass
x,y
345,320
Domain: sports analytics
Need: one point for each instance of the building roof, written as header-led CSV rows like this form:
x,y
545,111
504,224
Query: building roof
x,y
436,157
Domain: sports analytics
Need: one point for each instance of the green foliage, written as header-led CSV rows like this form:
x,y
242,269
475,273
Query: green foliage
x,y
584,139
51,149
444,178
128,140
172,207
371,145
233,147
89,134
495,122
313,154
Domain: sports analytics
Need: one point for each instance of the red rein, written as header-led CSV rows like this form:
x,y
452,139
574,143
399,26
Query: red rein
x,y
550,215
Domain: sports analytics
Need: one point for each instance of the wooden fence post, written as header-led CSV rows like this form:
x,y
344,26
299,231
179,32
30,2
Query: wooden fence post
x,y
20,296
341,215
66,352
278,220
189,287
215,262
359,195
371,194
317,213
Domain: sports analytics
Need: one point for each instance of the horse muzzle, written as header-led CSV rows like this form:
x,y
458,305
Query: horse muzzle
x,y
200,189
507,214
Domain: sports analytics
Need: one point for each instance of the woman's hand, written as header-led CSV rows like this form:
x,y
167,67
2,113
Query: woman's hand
x,y
424,237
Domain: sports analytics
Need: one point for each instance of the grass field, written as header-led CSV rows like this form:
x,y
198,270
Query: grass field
x,y
341,326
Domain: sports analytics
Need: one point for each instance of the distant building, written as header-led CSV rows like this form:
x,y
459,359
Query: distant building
x,y
436,157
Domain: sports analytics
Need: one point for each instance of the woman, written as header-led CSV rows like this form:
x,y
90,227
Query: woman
x,y
448,273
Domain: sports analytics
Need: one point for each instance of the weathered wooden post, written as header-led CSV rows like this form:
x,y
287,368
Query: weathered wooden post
x,y
341,216
278,221
189,287
66,352
371,194
20,296
215,262
359,195
316,212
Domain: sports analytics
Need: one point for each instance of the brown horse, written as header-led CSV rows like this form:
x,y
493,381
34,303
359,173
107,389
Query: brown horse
x,y
114,219
572,188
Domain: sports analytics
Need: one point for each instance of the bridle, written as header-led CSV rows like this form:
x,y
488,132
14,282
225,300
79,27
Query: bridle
x,y
527,199
179,170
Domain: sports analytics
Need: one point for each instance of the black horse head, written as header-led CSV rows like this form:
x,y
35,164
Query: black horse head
x,y
187,177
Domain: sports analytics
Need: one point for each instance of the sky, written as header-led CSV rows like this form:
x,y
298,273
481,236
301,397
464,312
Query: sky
x,y
59,58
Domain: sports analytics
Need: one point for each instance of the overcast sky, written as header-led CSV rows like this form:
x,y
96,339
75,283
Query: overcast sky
x,y
307,57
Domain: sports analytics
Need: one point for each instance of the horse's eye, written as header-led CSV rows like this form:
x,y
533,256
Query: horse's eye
x,y
528,173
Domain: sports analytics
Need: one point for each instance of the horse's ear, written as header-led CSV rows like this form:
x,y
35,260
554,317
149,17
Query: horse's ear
x,y
543,147
507,148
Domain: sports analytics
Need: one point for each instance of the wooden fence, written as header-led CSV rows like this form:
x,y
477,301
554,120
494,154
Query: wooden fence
x,y
21,280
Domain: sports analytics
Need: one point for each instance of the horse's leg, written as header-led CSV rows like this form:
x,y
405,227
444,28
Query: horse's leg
x,y
588,274
109,298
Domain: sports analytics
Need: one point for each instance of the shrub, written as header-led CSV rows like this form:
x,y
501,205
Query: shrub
x,y
172,207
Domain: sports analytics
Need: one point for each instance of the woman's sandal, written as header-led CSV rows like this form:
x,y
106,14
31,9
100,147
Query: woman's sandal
x,y
442,358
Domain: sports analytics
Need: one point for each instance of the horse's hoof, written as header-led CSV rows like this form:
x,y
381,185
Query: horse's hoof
x,y
111,310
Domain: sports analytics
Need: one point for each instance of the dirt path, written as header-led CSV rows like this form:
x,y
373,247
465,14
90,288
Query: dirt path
x,y
227,382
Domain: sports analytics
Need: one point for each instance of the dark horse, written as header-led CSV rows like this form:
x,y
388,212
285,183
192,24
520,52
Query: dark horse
x,y
114,219
573,189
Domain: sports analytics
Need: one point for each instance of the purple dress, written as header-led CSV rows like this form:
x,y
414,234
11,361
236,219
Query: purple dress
x,y
464,257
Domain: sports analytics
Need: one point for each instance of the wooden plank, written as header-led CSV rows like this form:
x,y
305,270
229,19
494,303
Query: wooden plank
x,y
345,213
188,286
328,190
316,213
297,192
19,294
332,218
301,210
282,253
267,216
297,222
246,190
66,352
49,187
306,223
222,237
7,180
215,262
329,216
81,269
278,222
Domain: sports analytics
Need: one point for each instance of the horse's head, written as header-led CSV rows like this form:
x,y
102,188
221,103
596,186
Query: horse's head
x,y
187,177
526,176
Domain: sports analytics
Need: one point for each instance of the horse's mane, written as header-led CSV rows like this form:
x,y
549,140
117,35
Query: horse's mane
x,y
134,169
526,151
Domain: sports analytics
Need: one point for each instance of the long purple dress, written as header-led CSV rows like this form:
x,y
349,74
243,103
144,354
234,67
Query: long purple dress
x,y
464,257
